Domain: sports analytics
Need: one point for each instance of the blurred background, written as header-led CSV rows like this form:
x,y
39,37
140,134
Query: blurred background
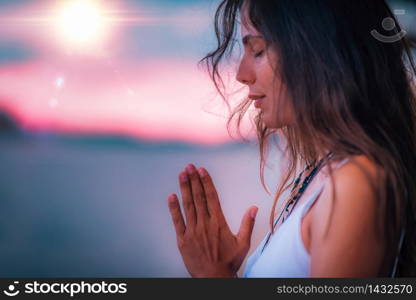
x,y
102,104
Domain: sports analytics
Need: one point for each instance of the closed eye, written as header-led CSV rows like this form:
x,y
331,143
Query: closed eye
x,y
258,54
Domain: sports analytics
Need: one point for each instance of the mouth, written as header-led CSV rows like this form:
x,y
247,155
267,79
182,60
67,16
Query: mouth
x,y
258,99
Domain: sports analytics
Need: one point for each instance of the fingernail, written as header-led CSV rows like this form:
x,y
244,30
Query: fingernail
x,y
253,212
171,198
190,168
202,172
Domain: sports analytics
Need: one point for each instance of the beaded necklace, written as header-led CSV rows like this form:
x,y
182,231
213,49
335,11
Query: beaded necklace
x,y
296,197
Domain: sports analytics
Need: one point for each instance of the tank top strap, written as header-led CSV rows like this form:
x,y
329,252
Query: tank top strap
x,y
315,195
341,162
311,199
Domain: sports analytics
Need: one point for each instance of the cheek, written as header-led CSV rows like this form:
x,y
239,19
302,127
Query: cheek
x,y
279,109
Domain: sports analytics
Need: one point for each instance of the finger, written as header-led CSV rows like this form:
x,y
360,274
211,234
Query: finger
x,y
213,201
247,225
176,214
198,194
188,203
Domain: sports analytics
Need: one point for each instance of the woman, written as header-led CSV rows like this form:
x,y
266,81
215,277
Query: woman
x,y
342,100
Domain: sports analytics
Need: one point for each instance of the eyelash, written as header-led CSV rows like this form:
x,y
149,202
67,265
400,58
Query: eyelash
x,y
258,54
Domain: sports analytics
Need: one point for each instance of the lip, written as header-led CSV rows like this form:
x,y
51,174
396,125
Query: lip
x,y
258,99
255,97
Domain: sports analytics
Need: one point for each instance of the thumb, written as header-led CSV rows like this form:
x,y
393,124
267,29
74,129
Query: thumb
x,y
247,225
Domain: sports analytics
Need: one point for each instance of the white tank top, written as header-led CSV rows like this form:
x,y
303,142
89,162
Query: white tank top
x,y
285,254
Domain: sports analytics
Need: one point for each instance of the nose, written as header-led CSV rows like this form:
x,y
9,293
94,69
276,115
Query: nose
x,y
245,73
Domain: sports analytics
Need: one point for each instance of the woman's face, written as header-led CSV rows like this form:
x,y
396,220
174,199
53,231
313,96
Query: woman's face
x,y
257,71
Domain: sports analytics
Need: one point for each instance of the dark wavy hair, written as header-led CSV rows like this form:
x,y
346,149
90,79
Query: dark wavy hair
x,y
351,93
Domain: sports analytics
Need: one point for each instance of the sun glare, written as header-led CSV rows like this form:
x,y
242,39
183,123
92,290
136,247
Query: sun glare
x,y
81,23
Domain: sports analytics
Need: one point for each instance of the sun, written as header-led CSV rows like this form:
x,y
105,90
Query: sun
x,y
81,23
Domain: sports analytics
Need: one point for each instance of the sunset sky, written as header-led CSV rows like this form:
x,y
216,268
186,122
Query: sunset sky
x,y
116,66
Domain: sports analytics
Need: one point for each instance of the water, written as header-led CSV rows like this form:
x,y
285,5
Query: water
x,y
90,210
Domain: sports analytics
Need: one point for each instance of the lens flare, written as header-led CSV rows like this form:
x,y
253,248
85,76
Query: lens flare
x,y
81,23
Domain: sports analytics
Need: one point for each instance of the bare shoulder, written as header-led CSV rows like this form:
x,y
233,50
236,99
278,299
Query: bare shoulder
x,y
350,186
360,166
351,182
353,170
344,220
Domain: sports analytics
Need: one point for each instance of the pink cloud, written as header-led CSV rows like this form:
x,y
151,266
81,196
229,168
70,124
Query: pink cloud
x,y
156,100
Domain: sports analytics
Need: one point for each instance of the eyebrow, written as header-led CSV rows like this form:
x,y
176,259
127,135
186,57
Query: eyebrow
x,y
248,37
